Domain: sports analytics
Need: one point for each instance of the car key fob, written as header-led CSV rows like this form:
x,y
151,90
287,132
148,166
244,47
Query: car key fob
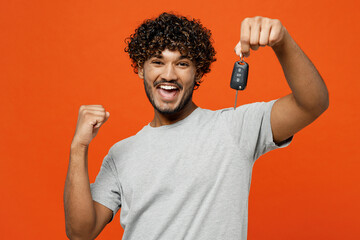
x,y
239,75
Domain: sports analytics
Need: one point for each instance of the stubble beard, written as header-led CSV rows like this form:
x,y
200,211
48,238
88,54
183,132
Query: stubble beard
x,y
167,111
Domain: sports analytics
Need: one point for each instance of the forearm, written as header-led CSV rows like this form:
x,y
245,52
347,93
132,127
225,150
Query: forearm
x,y
308,88
80,214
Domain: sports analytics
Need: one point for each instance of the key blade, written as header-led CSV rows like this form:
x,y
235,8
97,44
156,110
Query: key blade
x,y
236,99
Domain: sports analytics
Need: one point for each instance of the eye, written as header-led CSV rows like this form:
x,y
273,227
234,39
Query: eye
x,y
156,62
183,64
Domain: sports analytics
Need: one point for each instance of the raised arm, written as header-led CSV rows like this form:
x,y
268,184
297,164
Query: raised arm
x,y
309,97
84,218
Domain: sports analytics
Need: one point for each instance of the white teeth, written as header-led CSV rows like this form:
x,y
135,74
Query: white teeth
x,y
166,87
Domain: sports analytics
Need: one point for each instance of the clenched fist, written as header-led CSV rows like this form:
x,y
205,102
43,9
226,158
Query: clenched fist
x,y
259,32
90,119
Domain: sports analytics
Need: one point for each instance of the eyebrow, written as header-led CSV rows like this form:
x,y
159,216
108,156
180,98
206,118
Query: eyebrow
x,y
184,56
160,56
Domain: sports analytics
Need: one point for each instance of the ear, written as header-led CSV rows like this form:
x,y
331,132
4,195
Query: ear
x,y
141,73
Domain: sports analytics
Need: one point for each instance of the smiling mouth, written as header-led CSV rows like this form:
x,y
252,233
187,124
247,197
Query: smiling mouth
x,y
168,91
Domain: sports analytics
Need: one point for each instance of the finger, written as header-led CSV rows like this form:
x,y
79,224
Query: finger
x,y
98,125
245,37
92,107
255,34
92,114
98,122
95,122
103,120
264,34
274,34
87,109
95,111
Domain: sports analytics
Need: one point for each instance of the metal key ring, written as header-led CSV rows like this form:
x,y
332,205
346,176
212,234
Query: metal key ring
x,y
241,57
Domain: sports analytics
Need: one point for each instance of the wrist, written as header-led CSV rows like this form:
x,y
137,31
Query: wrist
x,y
78,147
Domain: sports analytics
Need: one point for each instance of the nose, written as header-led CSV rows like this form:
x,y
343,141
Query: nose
x,y
169,73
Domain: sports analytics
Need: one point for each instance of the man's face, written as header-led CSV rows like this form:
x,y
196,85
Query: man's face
x,y
169,80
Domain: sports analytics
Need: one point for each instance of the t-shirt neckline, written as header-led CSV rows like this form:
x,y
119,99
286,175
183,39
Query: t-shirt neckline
x,y
191,115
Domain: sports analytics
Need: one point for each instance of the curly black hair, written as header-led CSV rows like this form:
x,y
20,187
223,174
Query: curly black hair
x,y
172,32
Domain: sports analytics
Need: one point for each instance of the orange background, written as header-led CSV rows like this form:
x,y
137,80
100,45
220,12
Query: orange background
x,y
58,55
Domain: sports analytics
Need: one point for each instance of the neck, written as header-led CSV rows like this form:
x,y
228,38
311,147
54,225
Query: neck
x,y
167,119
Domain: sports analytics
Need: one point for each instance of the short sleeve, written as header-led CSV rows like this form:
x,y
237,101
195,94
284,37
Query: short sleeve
x,y
106,188
251,128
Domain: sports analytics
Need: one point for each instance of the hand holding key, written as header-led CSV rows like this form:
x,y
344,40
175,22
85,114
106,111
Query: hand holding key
x,y
259,32
255,32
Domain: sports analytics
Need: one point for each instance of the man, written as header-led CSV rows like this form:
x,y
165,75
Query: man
x,y
187,174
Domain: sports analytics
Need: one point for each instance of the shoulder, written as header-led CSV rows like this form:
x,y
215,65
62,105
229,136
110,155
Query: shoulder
x,y
125,144
250,108
245,116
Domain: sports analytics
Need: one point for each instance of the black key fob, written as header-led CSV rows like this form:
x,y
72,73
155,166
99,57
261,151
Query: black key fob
x,y
239,75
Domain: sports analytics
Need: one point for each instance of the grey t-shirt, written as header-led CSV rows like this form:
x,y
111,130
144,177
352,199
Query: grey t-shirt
x,y
189,180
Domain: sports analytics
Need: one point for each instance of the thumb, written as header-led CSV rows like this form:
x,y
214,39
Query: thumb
x,y
107,115
99,124
237,49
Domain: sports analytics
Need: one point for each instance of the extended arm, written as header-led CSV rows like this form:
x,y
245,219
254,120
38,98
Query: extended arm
x,y
309,97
